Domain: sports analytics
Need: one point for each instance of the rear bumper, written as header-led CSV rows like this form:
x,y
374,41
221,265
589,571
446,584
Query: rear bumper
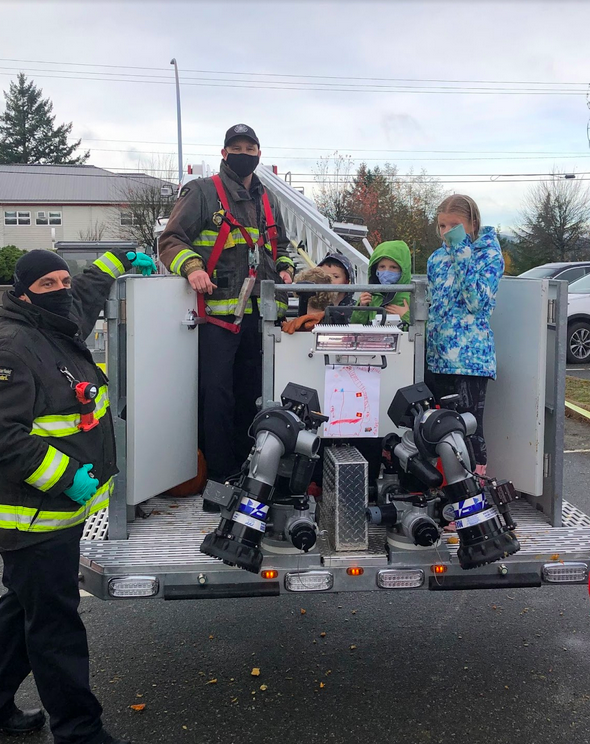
x,y
164,550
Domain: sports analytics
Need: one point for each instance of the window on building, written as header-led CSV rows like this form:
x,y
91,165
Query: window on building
x,y
9,218
24,218
128,219
48,218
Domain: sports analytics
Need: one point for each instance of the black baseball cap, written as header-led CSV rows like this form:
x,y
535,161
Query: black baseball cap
x,y
240,130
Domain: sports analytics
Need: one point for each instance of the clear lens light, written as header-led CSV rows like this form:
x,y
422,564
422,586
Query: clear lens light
x,y
309,581
565,573
134,586
369,342
335,342
400,578
377,342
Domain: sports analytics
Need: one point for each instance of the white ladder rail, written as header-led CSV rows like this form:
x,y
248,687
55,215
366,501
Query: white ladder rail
x,y
305,223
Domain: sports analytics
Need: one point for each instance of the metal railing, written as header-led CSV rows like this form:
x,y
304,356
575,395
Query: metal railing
x,y
270,332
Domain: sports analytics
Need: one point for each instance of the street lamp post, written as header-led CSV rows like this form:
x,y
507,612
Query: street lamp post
x,y
178,118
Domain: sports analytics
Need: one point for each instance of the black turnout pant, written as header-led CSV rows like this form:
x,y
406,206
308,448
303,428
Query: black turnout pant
x,y
472,392
230,381
41,631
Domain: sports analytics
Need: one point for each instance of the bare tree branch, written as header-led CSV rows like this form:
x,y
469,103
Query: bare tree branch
x,y
332,175
555,221
144,201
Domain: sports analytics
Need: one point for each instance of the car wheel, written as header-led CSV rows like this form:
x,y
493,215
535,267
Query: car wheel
x,y
578,343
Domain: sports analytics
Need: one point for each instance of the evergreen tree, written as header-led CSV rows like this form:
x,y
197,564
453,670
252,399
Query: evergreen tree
x,y
9,255
27,130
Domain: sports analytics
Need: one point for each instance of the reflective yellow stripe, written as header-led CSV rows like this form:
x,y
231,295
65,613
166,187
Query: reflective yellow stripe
x,y
110,264
285,260
207,238
228,307
50,471
67,425
180,258
26,519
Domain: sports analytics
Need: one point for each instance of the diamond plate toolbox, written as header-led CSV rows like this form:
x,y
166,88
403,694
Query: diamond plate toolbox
x,y
344,498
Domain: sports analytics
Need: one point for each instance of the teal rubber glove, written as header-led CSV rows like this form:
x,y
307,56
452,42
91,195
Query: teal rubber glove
x,y
84,486
455,236
142,262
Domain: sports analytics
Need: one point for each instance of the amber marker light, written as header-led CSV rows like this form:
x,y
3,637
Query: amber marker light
x,y
355,571
439,568
269,573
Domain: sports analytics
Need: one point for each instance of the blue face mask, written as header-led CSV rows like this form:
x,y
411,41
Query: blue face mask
x,y
389,277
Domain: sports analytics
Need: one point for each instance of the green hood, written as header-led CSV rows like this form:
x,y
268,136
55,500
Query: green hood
x,y
399,252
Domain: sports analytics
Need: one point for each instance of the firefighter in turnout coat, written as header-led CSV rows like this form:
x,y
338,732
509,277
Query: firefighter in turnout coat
x,y
224,236
57,462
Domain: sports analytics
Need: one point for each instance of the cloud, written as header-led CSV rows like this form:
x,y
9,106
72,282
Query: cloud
x,y
401,127
375,41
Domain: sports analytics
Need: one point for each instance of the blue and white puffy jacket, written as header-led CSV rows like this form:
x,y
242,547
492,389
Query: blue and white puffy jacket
x,y
463,280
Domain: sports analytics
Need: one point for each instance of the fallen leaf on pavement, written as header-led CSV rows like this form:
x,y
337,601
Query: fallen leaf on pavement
x,y
212,682
255,672
322,635
264,687
352,647
303,612
139,706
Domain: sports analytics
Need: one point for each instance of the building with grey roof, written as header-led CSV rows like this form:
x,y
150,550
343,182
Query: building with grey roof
x,y
41,204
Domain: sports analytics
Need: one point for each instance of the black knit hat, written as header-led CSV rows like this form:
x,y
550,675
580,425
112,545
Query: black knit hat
x,y
33,265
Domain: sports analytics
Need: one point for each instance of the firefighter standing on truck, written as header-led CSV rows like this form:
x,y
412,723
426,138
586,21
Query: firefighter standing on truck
x,y
57,462
224,236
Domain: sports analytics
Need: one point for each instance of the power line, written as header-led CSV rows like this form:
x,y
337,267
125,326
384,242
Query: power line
x,y
313,182
438,175
303,86
279,74
334,149
445,182
299,157
262,86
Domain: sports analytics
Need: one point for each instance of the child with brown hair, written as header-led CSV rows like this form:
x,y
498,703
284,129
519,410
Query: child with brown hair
x,y
463,278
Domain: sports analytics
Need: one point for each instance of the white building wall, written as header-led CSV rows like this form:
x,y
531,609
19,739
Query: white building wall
x,y
78,222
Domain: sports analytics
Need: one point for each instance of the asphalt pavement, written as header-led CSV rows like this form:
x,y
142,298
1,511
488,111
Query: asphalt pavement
x,y
500,666
579,370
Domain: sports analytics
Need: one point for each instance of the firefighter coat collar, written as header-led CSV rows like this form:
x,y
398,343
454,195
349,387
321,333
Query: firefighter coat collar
x,y
15,309
234,186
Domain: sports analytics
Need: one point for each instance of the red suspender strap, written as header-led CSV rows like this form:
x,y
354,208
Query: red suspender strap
x,y
228,215
271,228
220,191
220,240
202,313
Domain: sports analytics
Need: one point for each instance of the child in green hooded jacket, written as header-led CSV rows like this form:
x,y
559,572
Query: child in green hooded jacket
x,y
389,265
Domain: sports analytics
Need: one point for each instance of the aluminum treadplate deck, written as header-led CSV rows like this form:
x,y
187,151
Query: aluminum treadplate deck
x,y
170,534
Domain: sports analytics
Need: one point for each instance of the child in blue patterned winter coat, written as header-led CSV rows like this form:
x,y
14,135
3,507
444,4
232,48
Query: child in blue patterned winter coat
x,y
463,278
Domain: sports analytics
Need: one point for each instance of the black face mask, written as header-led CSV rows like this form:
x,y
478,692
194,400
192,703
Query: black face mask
x,y
58,302
241,164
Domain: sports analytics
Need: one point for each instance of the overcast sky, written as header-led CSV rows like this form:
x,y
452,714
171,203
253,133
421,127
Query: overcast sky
x,y
520,45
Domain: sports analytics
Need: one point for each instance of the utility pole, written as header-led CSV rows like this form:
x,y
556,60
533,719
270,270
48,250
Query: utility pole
x,y
178,118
